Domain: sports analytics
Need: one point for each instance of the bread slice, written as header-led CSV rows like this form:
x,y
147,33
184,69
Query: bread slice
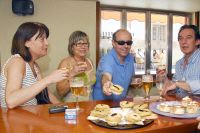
x,y
116,89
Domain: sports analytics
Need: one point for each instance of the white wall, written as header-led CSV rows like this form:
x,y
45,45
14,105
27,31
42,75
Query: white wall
x,y
61,16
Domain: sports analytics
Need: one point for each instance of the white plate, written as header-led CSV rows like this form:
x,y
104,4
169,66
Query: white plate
x,y
123,125
120,111
153,107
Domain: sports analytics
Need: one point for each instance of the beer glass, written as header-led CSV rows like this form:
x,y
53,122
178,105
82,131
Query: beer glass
x,y
77,88
147,83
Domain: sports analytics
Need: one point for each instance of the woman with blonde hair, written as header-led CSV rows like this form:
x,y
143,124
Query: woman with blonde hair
x,y
77,63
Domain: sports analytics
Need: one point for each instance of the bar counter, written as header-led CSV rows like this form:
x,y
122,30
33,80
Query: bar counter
x,y
36,119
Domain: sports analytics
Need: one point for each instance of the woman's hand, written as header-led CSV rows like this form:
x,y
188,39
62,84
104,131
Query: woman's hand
x,y
106,88
79,68
58,75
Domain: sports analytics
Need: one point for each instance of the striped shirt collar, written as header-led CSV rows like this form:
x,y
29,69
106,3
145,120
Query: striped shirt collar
x,y
192,58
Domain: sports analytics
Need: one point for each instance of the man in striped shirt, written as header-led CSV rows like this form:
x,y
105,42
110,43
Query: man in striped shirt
x,y
186,79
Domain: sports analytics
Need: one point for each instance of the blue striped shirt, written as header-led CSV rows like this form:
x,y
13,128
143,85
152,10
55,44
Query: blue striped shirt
x,y
190,73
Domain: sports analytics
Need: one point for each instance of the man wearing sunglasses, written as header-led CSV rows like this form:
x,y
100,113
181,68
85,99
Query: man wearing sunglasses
x,y
117,67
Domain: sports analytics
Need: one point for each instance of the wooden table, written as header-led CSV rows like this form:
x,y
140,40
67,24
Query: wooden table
x,y
36,119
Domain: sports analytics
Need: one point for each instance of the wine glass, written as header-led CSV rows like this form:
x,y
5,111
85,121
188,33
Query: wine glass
x,y
147,83
136,83
159,86
77,88
160,78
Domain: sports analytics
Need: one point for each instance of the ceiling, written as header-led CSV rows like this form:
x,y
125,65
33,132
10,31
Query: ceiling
x,y
174,5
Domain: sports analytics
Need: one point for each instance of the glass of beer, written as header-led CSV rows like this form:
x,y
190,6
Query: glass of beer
x,y
77,88
147,83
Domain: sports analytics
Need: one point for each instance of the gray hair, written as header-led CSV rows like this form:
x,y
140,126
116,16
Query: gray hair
x,y
74,38
193,27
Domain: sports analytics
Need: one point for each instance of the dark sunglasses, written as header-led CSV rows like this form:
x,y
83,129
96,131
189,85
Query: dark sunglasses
x,y
121,42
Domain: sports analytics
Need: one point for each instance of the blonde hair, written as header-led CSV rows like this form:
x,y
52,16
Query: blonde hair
x,y
74,38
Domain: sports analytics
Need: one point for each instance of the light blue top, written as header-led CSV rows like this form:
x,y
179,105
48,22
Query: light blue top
x,y
190,73
121,74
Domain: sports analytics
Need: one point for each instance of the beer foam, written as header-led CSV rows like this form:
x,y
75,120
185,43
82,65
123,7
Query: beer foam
x,y
81,84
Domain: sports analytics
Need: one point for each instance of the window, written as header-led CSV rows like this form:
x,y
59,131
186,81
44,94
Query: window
x,y
159,40
154,35
178,21
110,22
136,26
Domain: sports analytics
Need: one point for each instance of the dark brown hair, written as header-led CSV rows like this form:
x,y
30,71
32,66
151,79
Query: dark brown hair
x,y
24,33
193,27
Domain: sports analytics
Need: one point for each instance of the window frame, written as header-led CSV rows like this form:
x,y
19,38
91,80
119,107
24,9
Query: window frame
x,y
148,13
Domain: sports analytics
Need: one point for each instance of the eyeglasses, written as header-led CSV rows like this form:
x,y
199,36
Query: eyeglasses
x,y
121,42
82,44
